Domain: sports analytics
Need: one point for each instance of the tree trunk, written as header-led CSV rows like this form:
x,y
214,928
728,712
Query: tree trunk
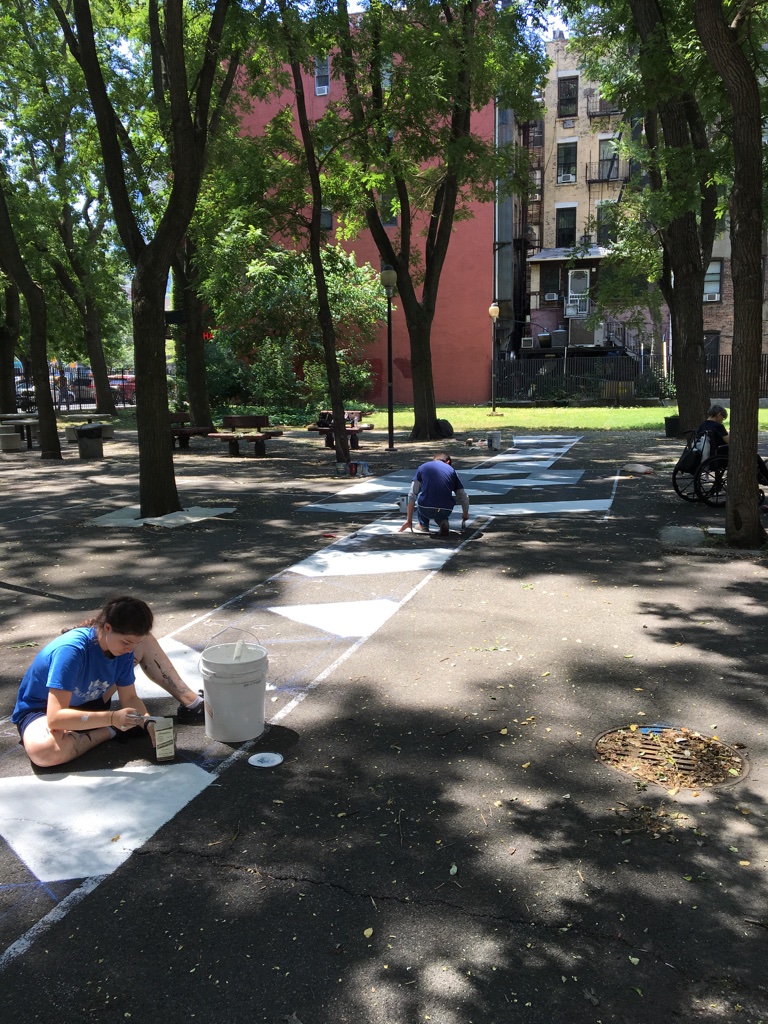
x,y
157,483
687,239
12,263
742,520
424,407
105,399
9,339
185,272
327,327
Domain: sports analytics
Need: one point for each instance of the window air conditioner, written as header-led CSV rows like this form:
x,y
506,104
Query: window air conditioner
x,y
572,309
321,90
711,296
565,179
551,297
526,343
569,123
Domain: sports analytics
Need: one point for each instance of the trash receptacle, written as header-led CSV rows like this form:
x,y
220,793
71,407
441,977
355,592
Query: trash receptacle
x,y
89,441
672,426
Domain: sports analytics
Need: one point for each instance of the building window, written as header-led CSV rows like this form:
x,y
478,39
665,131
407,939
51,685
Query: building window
x,y
322,76
568,97
565,227
609,160
326,218
713,281
566,162
606,228
549,281
535,134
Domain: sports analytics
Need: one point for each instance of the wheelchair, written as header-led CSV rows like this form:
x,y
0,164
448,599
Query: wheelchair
x,y
706,479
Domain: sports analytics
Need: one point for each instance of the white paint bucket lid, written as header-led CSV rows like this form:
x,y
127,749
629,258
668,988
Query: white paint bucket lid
x,y
265,760
225,654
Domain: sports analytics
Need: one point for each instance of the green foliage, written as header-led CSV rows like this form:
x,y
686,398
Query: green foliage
x,y
264,301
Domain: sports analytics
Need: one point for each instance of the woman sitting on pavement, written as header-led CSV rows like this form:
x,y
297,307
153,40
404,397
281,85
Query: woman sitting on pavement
x,y
63,707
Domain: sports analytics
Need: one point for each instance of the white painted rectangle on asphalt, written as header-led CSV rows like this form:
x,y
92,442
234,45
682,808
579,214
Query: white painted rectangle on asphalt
x,y
88,823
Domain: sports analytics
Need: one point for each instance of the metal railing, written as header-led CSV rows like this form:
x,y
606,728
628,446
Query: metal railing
x,y
74,390
585,378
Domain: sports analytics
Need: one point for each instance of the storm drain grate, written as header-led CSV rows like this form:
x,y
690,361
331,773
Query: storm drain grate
x,y
671,756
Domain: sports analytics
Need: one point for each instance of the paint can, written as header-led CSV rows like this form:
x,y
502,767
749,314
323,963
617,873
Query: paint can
x,y
165,741
235,677
402,504
353,468
494,440
341,469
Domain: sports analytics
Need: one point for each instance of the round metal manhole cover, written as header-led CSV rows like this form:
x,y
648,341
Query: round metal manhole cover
x,y
671,756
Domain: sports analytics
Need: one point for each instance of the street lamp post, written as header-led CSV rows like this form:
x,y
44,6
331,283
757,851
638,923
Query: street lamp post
x,y
389,281
493,313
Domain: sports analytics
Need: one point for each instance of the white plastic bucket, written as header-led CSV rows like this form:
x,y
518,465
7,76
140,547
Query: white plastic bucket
x,y
235,678
494,440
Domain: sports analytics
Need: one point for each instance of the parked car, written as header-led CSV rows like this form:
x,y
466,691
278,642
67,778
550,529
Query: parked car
x,y
81,388
25,395
123,386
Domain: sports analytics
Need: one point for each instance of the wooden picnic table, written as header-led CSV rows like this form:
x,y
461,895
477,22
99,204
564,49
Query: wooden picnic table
x,y
246,428
181,431
353,426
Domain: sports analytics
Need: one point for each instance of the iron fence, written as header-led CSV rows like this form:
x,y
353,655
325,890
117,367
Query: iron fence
x,y
585,378
74,389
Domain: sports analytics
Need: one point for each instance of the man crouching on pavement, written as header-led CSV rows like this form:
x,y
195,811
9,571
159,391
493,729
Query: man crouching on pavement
x,y
432,495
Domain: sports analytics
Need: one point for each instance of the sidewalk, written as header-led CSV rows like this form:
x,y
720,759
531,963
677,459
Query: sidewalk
x,y
439,785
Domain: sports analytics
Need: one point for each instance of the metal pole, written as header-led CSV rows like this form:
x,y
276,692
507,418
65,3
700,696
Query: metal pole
x,y
493,367
390,393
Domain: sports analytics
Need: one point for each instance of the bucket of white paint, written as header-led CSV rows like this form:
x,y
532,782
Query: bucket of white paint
x,y
402,504
494,440
235,678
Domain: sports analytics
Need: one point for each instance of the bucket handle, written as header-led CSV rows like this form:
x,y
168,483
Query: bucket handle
x,y
238,646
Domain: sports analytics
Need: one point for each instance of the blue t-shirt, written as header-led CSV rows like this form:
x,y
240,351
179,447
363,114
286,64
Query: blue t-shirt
x,y
73,661
438,484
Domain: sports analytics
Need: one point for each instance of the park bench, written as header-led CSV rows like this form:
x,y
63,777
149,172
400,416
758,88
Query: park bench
x,y
181,431
235,429
352,418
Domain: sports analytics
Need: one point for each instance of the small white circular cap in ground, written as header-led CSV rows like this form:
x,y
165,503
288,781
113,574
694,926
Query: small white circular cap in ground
x,y
265,760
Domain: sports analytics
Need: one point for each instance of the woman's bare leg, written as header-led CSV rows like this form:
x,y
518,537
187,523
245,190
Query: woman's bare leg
x,y
48,747
158,667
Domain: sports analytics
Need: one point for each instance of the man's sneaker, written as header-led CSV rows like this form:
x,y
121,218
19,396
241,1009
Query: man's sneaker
x,y
189,716
418,528
444,529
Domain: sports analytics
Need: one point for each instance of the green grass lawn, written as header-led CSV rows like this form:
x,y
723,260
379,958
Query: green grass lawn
x,y
471,419
479,420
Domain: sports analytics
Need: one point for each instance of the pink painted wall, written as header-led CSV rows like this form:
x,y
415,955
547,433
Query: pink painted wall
x,y
461,331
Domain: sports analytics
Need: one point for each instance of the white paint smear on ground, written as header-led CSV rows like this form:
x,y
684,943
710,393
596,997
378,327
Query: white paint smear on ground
x,y
332,562
343,618
64,826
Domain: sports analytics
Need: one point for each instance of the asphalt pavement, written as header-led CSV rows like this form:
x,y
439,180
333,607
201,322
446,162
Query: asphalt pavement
x,y
440,841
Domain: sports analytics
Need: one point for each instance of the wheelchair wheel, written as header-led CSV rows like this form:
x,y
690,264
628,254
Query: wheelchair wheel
x,y
684,485
710,482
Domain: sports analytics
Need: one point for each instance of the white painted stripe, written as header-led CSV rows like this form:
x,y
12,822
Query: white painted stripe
x,y
538,508
59,912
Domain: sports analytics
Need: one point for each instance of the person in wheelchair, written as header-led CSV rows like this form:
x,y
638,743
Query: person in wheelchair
x,y
714,426
718,439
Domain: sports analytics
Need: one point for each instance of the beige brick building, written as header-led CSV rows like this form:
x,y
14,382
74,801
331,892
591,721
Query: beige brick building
x,y
577,172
